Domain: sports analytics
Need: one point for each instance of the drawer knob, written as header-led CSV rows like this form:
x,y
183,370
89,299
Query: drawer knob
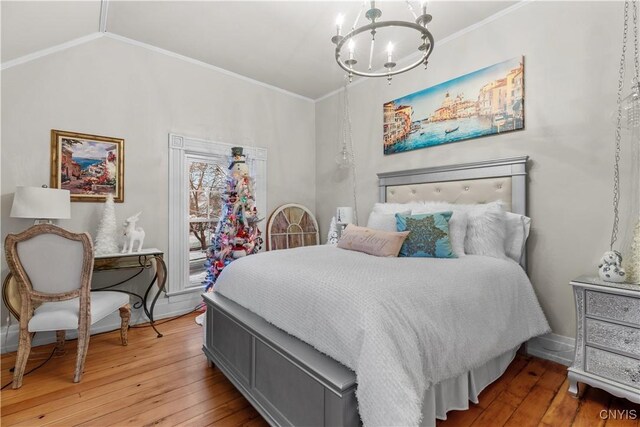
x,y
627,341
625,309
634,376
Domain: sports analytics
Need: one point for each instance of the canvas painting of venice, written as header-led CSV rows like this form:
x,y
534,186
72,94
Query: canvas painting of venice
x,y
486,102
89,166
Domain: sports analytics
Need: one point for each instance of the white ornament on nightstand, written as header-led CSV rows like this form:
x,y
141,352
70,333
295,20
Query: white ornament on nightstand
x,y
106,240
132,234
610,268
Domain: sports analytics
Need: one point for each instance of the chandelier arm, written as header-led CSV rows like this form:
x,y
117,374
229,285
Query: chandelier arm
x,y
415,16
357,17
382,24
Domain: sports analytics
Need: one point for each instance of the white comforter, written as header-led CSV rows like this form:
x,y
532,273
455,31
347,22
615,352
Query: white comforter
x,y
402,324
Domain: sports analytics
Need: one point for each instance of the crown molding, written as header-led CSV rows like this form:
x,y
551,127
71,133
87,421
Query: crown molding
x,y
50,50
414,56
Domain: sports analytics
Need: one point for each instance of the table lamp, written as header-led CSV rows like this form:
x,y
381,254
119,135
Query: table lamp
x,y
344,217
42,204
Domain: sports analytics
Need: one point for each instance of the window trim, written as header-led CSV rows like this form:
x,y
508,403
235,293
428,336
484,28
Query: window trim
x,y
180,149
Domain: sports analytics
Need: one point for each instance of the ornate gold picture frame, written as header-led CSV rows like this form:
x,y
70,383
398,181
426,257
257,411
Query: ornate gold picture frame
x,y
89,166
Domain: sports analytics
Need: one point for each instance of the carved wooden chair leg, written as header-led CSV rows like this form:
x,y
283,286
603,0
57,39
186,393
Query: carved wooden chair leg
x,y
83,345
24,348
60,338
125,315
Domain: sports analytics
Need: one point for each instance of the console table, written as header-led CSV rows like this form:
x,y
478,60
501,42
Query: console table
x,y
137,261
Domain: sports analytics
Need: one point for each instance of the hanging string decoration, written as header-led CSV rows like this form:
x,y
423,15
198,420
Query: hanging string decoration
x,y
346,157
237,234
625,117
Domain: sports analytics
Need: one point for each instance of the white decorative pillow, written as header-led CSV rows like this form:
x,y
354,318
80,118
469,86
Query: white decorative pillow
x,y
457,225
384,221
517,231
486,230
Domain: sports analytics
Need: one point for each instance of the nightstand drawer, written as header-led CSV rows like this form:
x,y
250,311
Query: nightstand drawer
x,y
616,337
614,307
614,367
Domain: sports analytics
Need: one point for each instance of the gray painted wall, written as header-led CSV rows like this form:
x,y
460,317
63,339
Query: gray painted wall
x,y
107,87
571,54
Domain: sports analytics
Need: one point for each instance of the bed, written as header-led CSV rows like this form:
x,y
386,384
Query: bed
x,y
301,377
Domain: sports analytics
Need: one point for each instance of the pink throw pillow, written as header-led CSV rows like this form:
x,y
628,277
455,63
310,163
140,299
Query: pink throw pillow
x,y
372,242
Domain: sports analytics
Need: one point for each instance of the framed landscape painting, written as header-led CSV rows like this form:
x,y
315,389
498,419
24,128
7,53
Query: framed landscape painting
x,y
485,102
89,166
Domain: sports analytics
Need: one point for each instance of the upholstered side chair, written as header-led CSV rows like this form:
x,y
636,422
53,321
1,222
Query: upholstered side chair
x,y
53,268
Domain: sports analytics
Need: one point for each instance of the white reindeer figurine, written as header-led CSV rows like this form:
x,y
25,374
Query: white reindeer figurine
x,y
132,233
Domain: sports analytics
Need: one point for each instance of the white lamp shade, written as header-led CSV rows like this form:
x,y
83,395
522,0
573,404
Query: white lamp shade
x,y
41,203
344,215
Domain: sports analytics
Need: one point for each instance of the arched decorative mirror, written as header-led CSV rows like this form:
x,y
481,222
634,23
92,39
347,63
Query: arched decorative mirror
x,y
292,226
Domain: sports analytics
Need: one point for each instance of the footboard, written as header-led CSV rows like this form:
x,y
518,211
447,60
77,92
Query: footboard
x,y
285,379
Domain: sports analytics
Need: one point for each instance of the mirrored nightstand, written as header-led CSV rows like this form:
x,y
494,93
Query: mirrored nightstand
x,y
607,354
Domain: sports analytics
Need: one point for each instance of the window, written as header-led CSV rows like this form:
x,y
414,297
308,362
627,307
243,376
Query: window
x,y
197,177
205,181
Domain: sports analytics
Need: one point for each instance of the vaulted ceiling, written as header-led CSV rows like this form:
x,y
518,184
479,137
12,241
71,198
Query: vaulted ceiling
x,y
285,44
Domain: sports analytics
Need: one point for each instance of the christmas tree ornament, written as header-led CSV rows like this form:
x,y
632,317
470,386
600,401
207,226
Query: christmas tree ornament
x,y
237,234
132,234
106,241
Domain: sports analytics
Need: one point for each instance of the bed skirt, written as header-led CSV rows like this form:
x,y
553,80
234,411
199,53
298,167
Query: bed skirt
x,y
456,393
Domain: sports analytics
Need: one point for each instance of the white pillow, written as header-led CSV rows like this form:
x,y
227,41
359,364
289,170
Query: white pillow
x,y
486,230
394,208
384,221
457,226
517,231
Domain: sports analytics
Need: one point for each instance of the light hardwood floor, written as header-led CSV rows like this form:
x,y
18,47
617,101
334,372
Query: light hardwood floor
x,y
165,381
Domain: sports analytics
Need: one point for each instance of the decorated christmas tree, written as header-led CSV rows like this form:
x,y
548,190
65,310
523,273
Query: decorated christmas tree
x,y
237,234
106,240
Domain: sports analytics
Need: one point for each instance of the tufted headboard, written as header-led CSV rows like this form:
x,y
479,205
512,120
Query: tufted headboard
x,y
478,182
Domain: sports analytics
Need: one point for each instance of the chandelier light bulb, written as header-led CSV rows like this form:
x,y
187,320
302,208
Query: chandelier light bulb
x,y
352,48
389,52
339,21
423,6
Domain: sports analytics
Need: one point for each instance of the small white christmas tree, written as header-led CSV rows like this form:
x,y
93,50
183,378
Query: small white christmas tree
x,y
106,242
332,236
633,267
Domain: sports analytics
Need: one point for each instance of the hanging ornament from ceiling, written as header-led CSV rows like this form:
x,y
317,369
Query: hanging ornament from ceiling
x,y
627,116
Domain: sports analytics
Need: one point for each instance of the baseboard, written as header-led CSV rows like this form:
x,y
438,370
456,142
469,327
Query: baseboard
x,y
164,308
554,347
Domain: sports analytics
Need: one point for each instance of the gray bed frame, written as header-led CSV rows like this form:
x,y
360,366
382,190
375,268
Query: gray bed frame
x,y
288,381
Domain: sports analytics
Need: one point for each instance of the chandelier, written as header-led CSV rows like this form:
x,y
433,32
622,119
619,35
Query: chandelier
x,y
373,14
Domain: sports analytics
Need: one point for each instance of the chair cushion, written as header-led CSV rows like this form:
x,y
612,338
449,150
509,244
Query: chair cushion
x,y
62,315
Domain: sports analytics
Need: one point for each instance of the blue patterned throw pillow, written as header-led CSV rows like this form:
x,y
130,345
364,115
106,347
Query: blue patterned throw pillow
x,y
428,235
